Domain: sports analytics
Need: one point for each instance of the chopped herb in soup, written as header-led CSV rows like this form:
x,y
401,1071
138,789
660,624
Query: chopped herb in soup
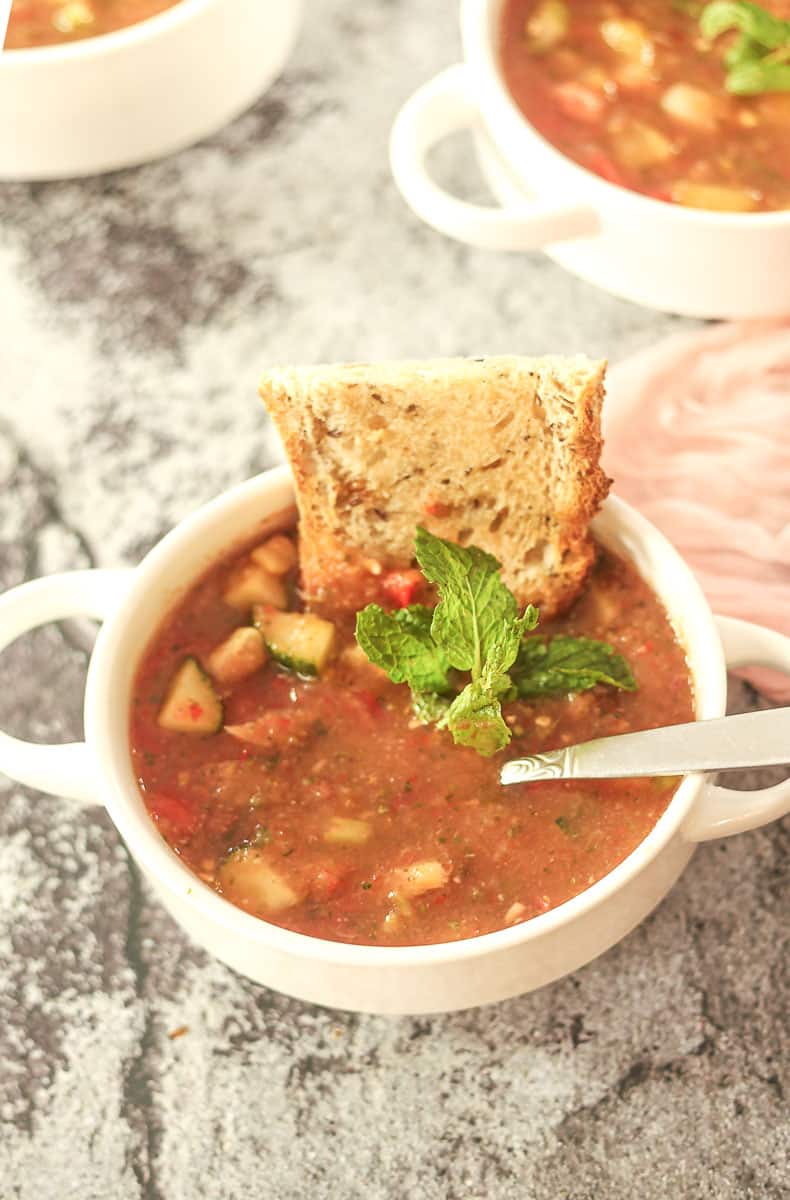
x,y
46,22
682,101
294,776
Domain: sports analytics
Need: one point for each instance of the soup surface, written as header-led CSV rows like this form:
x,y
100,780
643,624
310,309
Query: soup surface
x,y
634,93
328,810
44,22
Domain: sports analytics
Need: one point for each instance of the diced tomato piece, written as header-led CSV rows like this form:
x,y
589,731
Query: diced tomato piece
x,y
176,812
400,587
660,194
602,165
579,102
367,700
436,508
325,883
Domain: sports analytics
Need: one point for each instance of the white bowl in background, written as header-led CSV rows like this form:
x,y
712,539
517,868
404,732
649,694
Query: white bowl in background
x,y
400,979
149,89
665,256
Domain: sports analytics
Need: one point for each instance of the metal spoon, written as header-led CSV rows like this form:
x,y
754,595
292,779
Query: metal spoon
x,y
757,739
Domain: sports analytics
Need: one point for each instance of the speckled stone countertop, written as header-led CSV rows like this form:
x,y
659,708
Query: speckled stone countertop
x,y
137,311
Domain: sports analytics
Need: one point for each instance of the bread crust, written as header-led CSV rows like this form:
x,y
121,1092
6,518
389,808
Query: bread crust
x,y
502,453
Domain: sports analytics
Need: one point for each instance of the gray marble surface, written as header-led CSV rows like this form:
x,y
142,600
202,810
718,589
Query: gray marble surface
x,y
137,311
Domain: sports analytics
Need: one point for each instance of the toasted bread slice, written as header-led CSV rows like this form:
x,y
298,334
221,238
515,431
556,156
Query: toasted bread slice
x,y
501,453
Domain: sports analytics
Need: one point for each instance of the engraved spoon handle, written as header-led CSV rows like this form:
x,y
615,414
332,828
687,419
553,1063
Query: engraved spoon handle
x,y
757,739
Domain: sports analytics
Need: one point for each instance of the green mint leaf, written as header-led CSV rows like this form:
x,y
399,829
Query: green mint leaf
x,y
475,627
476,612
757,61
762,27
475,716
744,49
428,707
568,664
754,78
400,643
504,650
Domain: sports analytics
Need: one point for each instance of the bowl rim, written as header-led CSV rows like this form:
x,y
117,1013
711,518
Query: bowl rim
x,y
479,20
126,807
138,33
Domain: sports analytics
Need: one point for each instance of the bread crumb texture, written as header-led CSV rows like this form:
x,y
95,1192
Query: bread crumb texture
x,y
503,453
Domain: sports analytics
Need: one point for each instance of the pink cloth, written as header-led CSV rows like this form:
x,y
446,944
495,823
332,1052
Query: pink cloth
x,y
698,438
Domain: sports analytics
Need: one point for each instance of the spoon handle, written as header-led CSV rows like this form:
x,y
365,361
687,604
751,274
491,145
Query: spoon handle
x,y
756,739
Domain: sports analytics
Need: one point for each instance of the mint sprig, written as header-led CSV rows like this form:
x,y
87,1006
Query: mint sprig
x,y
477,616
476,627
568,664
401,643
759,60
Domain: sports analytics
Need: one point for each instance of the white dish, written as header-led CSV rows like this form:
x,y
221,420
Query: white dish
x,y
665,256
369,978
144,91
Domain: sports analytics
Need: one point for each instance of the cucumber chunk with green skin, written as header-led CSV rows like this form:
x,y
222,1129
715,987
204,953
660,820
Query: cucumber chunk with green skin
x,y
191,704
302,642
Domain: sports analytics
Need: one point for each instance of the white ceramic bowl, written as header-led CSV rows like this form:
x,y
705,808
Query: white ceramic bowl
x,y
682,260
369,978
126,97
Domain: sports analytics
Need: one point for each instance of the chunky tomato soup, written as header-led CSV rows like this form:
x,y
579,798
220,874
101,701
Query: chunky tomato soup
x,y
322,805
633,92
44,22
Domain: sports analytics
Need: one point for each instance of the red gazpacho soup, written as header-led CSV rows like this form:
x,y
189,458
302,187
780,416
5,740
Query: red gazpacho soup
x,y
637,94
293,776
48,22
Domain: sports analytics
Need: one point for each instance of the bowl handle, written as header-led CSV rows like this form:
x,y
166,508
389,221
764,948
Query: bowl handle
x,y
724,811
65,770
446,105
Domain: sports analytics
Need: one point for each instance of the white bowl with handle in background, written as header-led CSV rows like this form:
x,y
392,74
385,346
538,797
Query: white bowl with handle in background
x,y
123,98
666,256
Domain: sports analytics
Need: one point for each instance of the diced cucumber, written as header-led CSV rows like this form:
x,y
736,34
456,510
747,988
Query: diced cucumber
x,y
250,584
277,554
247,876
347,831
191,704
302,642
548,25
240,655
419,877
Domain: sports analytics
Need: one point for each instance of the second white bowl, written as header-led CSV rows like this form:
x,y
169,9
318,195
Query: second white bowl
x,y
665,256
147,90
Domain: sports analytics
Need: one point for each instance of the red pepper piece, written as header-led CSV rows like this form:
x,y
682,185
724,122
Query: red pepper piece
x,y
400,587
325,884
602,165
176,812
367,699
